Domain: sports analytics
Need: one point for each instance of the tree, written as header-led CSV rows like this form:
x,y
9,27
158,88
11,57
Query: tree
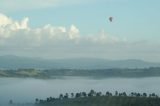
x,y
116,93
92,93
107,93
72,95
41,101
144,95
138,95
48,99
78,95
124,94
37,100
153,95
66,96
132,93
84,94
11,102
98,93
61,96
110,94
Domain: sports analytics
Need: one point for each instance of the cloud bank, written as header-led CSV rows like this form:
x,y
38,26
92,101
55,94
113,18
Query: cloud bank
x,y
12,32
48,41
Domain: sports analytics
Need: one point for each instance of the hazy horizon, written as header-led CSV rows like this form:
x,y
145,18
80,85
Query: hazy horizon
x,y
77,58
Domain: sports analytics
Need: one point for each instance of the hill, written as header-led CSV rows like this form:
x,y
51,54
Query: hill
x,y
98,99
15,62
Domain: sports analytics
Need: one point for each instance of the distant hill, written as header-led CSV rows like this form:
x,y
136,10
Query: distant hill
x,y
15,62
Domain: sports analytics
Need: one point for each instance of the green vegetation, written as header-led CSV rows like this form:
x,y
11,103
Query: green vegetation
x,y
97,73
23,73
98,99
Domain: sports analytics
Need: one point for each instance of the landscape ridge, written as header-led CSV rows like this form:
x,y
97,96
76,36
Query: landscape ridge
x,y
16,62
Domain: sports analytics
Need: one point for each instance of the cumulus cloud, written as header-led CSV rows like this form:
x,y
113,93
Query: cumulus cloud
x,y
17,36
4,20
8,27
73,32
14,32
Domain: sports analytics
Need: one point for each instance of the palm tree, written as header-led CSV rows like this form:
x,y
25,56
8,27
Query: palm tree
x,y
153,95
72,95
116,93
124,94
132,93
66,96
11,102
78,95
92,92
138,95
84,94
107,93
98,93
144,95
61,96
37,100
110,94
48,99
41,101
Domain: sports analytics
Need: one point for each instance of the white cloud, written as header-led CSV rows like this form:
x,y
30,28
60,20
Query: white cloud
x,y
8,23
13,32
4,20
73,32
8,27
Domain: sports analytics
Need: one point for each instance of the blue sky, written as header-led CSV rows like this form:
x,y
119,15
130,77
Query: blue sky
x,y
134,20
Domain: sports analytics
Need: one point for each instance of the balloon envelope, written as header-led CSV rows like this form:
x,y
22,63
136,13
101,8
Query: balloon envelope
x,y
110,19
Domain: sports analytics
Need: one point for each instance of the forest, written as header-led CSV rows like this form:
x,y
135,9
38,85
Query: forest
x,y
94,98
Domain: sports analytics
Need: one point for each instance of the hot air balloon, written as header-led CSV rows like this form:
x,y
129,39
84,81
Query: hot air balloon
x,y
110,19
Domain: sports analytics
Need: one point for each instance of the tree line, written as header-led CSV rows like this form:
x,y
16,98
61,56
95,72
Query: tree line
x,y
100,99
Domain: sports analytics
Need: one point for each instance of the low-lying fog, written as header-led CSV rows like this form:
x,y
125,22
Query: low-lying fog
x,y
22,90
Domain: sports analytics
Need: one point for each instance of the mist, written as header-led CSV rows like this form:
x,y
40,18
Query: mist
x,y
26,90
